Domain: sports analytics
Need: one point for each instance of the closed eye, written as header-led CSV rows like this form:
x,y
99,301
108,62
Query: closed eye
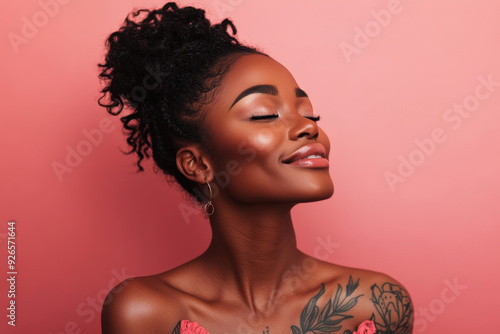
x,y
313,118
257,117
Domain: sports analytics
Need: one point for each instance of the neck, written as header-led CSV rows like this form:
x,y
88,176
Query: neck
x,y
251,249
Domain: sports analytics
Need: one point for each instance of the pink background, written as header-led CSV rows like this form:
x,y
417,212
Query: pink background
x,y
437,224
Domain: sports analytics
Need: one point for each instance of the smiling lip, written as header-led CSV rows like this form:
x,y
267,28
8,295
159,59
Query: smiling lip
x,y
311,155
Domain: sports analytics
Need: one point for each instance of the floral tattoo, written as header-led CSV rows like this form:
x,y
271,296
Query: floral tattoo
x,y
394,309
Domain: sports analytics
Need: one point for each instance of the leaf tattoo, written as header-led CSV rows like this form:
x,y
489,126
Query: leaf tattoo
x,y
332,314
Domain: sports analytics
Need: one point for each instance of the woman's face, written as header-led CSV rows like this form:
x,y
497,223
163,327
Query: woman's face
x,y
266,145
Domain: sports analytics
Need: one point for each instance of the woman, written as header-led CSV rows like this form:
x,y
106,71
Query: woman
x,y
235,130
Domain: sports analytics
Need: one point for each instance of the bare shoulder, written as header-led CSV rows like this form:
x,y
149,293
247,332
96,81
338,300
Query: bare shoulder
x,y
371,295
140,305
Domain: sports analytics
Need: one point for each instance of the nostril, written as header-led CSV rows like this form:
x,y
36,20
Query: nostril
x,y
308,135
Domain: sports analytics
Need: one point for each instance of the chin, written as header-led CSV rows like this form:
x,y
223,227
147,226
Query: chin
x,y
322,192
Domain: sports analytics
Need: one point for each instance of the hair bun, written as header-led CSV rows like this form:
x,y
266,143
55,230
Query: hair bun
x,y
164,64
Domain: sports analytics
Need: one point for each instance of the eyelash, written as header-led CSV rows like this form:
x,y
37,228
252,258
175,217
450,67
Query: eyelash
x,y
257,117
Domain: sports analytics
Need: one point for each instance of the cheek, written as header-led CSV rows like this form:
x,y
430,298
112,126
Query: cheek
x,y
247,146
263,141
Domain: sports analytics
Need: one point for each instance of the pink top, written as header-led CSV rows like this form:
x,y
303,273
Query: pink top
x,y
366,327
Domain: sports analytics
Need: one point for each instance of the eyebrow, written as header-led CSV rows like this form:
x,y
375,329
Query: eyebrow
x,y
265,89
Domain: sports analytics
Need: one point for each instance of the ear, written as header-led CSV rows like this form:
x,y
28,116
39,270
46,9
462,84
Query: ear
x,y
194,164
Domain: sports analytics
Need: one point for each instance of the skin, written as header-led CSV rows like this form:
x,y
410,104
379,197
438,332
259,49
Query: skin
x,y
252,278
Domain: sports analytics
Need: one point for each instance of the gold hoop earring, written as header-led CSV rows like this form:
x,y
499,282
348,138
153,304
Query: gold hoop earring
x,y
209,207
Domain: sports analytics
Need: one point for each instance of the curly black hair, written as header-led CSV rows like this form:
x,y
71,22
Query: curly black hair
x,y
164,65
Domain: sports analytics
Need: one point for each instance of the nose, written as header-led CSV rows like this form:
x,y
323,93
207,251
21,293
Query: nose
x,y
302,127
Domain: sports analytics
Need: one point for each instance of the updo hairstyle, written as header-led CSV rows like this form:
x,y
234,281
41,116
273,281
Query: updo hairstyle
x,y
165,65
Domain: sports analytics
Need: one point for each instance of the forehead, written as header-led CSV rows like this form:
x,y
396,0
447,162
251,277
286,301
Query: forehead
x,y
256,69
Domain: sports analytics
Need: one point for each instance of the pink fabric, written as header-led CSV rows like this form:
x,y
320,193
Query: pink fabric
x,y
192,328
366,327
